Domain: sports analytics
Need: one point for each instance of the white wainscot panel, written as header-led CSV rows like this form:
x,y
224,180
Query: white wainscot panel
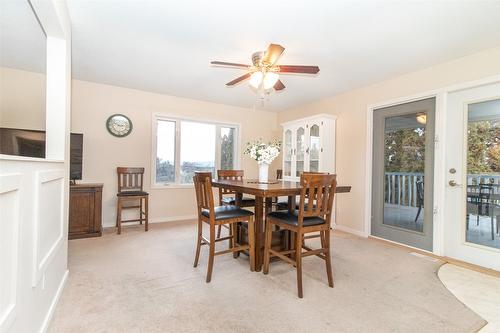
x,y
49,223
9,238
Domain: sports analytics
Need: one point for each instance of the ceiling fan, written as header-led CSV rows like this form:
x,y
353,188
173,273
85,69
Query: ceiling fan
x,y
264,73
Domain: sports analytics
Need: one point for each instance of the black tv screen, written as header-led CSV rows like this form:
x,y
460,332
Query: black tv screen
x,y
31,143
76,156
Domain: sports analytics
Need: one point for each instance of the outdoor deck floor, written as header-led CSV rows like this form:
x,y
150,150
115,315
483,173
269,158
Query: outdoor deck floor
x,y
404,217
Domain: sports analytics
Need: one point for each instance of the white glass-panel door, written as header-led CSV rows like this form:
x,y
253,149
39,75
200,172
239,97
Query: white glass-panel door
x,y
300,151
473,176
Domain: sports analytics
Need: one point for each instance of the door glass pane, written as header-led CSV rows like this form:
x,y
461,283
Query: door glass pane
x,y
197,149
483,174
288,153
227,149
165,151
314,149
300,152
404,161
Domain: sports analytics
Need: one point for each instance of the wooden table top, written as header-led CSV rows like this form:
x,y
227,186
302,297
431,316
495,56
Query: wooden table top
x,y
273,189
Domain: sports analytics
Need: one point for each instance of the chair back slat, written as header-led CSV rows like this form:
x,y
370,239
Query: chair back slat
x,y
130,179
225,175
204,194
316,197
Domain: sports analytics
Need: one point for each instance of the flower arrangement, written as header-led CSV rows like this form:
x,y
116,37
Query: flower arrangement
x,y
263,153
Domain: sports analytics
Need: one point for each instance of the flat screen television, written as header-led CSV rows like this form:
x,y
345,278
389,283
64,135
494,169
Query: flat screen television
x,y
31,143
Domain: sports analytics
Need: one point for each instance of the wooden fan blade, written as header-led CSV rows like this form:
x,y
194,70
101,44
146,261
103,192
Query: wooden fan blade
x,y
272,54
239,79
279,85
298,69
232,64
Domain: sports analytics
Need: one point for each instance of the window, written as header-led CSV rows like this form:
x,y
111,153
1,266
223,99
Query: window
x,y
165,152
183,147
197,149
227,148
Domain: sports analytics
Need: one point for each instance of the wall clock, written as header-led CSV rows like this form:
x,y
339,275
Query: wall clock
x,y
119,125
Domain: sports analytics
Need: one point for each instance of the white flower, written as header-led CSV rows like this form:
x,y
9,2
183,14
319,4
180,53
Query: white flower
x,y
263,153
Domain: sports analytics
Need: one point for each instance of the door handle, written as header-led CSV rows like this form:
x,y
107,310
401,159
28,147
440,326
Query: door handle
x,y
453,183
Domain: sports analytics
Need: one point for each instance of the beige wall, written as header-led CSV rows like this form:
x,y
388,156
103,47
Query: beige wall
x,y
351,109
22,99
93,103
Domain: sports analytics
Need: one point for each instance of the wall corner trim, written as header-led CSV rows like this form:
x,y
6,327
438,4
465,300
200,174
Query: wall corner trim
x,y
55,301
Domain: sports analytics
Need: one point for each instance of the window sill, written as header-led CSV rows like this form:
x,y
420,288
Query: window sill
x,y
171,186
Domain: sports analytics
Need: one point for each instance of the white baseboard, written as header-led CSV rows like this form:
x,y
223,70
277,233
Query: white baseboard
x,y
159,220
52,308
174,218
350,230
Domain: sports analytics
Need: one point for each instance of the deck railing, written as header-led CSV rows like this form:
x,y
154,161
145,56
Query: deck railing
x,y
401,187
474,179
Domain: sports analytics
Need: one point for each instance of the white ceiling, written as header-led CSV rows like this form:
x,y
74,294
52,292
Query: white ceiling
x,y
166,46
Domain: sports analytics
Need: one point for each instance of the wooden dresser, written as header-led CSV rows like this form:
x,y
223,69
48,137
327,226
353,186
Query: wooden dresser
x,y
85,209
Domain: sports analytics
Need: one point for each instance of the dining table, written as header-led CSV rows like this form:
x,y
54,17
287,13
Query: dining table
x,y
264,194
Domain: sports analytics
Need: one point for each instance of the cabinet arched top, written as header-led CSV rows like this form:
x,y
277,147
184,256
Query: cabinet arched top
x,y
317,117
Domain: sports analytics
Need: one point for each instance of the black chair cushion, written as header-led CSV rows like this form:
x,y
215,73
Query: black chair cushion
x,y
293,219
283,205
244,201
131,193
227,212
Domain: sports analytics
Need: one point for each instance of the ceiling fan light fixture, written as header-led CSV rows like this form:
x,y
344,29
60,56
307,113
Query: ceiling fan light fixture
x,y
256,79
265,73
270,80
422,118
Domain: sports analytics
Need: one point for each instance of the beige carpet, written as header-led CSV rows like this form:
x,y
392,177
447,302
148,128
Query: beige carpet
x,y
145,282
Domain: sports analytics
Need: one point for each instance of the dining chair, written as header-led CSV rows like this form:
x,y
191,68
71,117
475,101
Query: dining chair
x,y
216,216
487,205
420,198
317,188
283,204
131,195
277,203
228,197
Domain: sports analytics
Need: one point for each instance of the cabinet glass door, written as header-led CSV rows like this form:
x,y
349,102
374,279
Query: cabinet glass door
x,y
314,148
287,158
300,151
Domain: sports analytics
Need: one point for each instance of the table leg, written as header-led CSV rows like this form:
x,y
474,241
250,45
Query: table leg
x,y
291,235
291,203
269,206
259,220
238,199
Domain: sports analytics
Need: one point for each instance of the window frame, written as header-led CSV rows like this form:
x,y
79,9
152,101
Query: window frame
x,y
177,151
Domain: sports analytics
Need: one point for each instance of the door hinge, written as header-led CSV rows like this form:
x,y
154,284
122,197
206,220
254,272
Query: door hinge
x,y
436,141
435,210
